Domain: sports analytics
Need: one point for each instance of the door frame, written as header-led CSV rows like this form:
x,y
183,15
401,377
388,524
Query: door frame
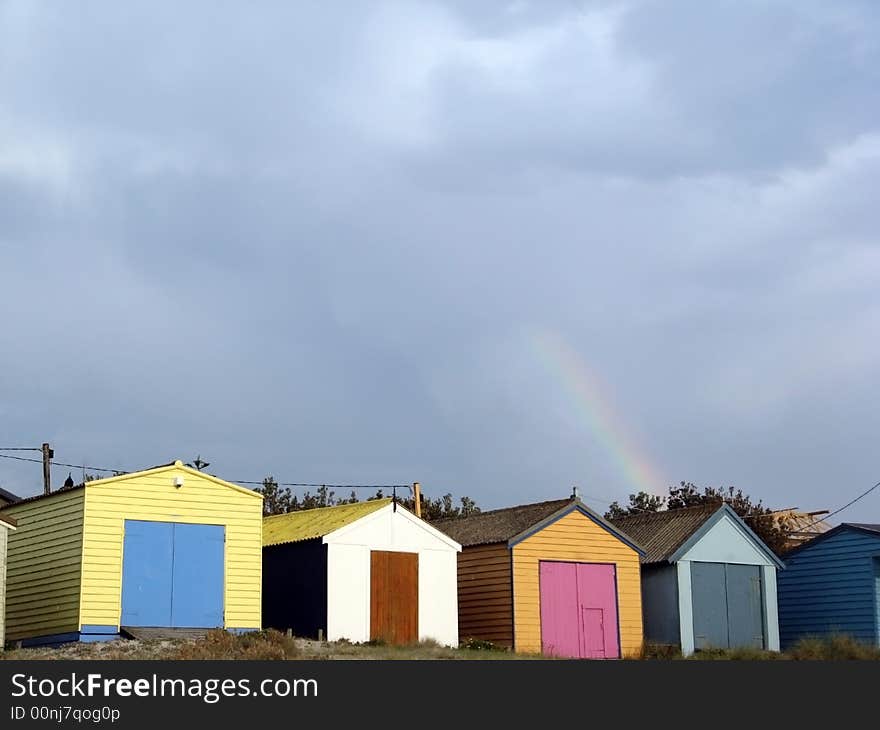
x,y
181,522
580,562
765,640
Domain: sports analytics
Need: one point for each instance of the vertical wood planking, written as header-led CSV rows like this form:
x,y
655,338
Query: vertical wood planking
x,y
394,596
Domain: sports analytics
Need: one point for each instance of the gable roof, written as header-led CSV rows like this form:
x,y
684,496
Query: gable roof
x,y
669,534
129,475
8,521
663,533
863,526
313,523
873,529
35,497
513,524
7,496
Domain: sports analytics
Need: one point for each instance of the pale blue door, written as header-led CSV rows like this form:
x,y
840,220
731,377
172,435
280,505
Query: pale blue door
x,y
197,591
172,575
147,564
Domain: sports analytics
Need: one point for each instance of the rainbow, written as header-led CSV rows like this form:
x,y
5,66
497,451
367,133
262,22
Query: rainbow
x,y
597,412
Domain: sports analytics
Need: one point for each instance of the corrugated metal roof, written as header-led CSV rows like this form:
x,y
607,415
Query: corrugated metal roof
x,y
311,523
498,525
662,533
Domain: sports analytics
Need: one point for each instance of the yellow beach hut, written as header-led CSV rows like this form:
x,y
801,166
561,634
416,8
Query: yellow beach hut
x,y
167,548
551,577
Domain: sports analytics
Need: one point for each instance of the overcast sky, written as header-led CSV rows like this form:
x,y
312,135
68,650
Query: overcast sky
x,y
498,248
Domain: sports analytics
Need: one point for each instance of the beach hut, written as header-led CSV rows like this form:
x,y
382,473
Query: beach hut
x,y
168,548
364,571
707,579
7,524
831,585
551,577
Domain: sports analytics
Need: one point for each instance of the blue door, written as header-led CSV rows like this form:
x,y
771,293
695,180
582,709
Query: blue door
x,y
728,605
172,575
197,590
147,564
745,606
709,597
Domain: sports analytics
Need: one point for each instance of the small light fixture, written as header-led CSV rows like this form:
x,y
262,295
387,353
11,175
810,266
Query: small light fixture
x,y
178,481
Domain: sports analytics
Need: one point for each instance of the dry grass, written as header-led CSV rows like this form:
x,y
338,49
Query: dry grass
x,y
269,644
274,645
836,648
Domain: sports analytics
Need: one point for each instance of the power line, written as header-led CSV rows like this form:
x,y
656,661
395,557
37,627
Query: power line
x,y
21,458
21,448
328,486
61,463
236,481
848,504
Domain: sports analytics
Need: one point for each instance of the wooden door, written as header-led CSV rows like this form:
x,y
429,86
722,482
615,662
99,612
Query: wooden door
x,y
597,596
593,633
560,635
578,610
394,597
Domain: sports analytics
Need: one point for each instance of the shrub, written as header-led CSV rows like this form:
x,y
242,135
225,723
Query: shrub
x,y
836,647
660,651
473,644
220,644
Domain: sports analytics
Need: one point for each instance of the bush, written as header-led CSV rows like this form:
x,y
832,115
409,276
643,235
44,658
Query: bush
x,y
473,644
836,647
220,644
743,653
660,651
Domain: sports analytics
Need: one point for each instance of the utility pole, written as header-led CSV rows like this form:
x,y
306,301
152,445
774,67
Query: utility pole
x,y
47,472
417,498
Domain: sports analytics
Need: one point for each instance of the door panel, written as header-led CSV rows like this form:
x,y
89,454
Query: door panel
x,y
745,615
394,597
578,610
597,589
197,596
709,595
593,633
147,564
560,635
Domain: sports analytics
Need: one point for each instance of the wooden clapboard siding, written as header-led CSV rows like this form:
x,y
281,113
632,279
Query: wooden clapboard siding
x,y
485,596
575,537
4,531
151,495
43,574
831,585
394,596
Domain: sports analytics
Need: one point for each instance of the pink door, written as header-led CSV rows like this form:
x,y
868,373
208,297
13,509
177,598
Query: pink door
x,y
560,635
592,633
579,610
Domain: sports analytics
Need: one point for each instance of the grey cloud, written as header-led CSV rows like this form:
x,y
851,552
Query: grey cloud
x,y
318,242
